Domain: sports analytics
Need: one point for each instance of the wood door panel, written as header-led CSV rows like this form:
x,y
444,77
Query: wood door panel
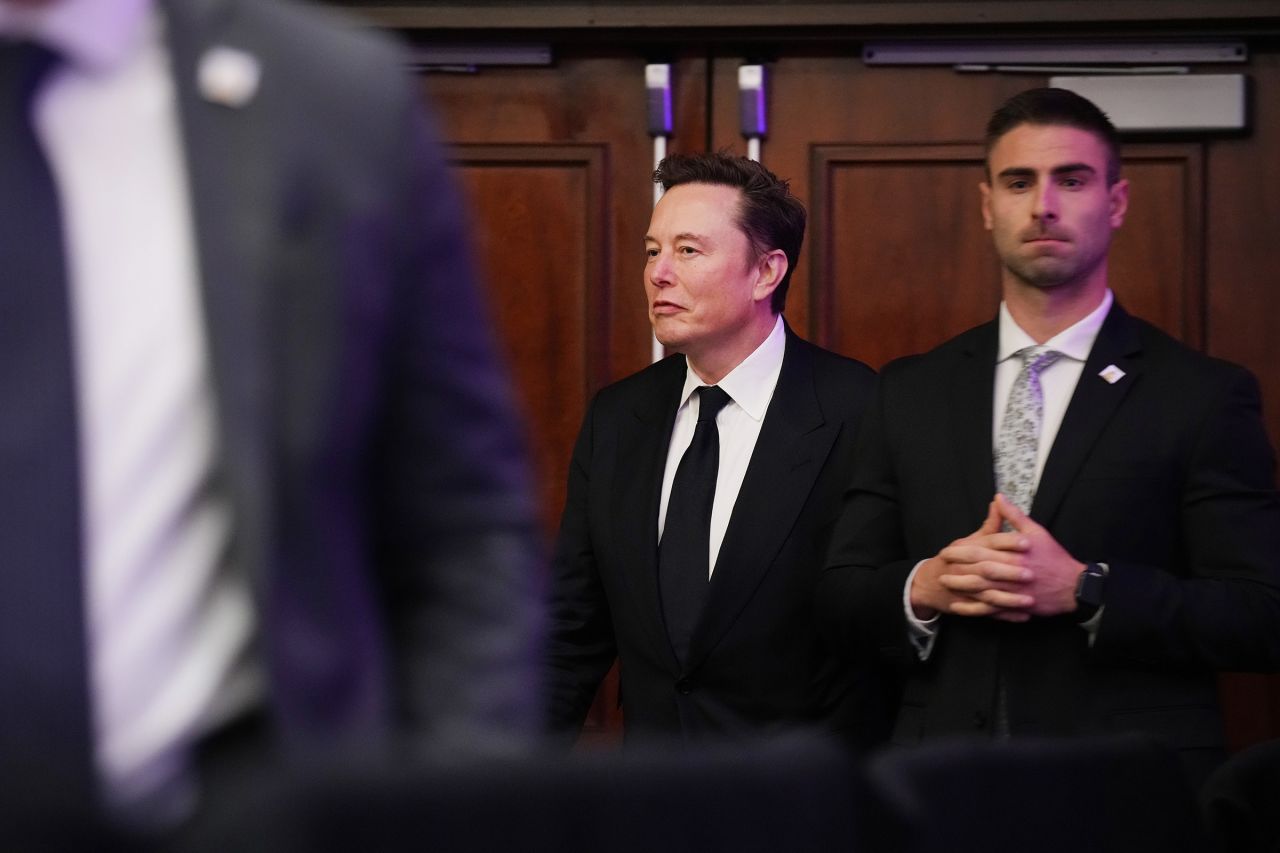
x,y
1243,263
1156,262
552,319
901,261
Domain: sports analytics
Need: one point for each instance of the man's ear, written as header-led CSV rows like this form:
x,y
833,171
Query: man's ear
x,y
985,189
1119,200
770,270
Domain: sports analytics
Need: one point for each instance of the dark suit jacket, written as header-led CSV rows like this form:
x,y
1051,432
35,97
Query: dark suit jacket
x,y
1166,475
368,443
756,665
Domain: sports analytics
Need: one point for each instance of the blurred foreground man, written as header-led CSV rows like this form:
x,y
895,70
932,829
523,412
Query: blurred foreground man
x,y
702,489
1062,522
260,481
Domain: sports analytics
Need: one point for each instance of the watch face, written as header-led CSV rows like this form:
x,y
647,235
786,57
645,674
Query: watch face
x,y
1089,587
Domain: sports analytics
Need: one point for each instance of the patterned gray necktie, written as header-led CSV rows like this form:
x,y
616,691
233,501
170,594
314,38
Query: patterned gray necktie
x,y
1019,438
1016,447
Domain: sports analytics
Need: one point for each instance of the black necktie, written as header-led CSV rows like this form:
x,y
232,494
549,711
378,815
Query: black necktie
x,y
683,570
44,722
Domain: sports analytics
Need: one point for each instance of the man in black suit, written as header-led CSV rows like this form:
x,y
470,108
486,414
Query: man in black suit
x,y
1124,561
299,513
708,608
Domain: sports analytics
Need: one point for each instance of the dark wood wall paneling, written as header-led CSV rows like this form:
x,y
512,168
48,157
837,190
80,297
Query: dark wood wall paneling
x,y
1242,275
888,159
876,261
543,250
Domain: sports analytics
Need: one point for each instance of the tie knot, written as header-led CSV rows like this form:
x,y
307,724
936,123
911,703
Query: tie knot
x,y
1036,359
23,67
711,399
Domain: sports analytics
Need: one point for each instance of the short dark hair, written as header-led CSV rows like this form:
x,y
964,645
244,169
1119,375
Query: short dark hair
x,y
1049,106
770,216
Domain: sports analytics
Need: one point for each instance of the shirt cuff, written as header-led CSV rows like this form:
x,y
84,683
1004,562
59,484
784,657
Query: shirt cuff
x,y
921,632
1091,624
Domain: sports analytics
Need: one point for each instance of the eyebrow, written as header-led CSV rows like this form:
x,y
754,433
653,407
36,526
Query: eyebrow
x,y
1064,169
687,235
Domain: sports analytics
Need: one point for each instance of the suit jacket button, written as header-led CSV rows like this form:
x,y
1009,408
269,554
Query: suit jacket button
x,y
683,687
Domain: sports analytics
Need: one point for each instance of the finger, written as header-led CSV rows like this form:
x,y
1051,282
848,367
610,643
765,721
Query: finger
x,y
1011,541
992,592
1005,572
1005,599
970,607
1001,541
973,586
991,524
963,584
972,553
1018,520
997,594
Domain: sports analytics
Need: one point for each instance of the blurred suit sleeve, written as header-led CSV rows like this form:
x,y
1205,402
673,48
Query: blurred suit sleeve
x,y
454,516
370,441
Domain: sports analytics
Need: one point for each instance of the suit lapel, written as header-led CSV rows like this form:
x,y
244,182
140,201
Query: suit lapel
x,y
230,182
789,453
643,437
1092,404
972,390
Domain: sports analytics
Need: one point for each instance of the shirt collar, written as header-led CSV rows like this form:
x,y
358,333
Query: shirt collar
x,y
751,383
1074,342
96,34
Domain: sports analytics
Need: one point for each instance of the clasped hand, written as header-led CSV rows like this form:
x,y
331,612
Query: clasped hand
x,y
1010,576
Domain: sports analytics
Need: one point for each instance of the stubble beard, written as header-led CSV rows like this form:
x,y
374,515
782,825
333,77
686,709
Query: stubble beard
x,y
1042,276
1049,273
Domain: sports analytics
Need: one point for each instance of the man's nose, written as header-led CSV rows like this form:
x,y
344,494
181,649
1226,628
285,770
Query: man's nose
x,y
1045,207
659,272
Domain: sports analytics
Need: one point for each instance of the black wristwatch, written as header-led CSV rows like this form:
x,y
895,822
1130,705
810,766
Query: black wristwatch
x,y
1089,589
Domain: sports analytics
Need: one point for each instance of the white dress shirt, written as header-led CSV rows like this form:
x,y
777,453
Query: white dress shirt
x,y
1058,382
750,387
169,624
